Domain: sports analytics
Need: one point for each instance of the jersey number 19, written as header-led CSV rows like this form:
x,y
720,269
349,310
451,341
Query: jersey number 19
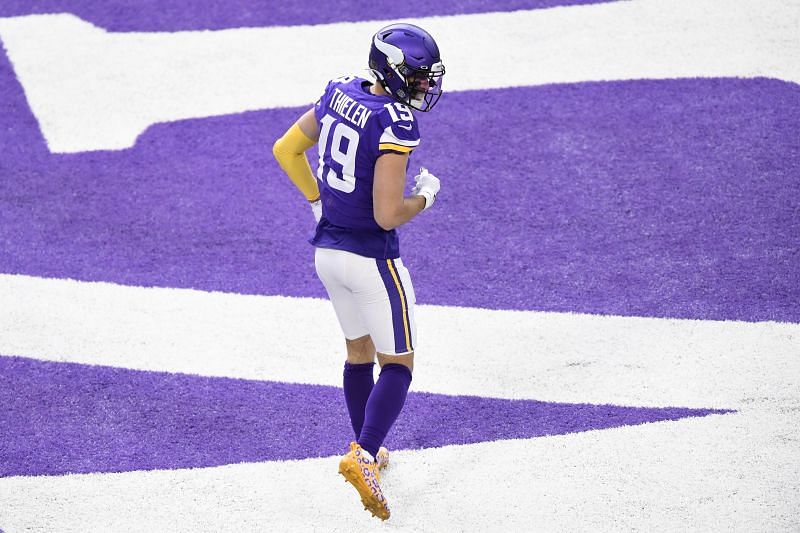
x,y
342,178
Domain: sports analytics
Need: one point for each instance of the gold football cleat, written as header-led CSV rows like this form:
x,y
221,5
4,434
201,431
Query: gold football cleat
x,y
363,475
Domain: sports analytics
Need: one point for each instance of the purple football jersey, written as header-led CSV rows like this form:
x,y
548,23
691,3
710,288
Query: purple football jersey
x,y
355,128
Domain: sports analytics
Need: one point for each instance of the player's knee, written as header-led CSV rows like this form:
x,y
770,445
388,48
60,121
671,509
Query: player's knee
x,y
406,359
360,350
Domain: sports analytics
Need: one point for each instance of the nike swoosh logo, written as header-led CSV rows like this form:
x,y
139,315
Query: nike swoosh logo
x,y
405,127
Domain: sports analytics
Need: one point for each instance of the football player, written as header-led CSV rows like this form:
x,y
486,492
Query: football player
x,y
365,131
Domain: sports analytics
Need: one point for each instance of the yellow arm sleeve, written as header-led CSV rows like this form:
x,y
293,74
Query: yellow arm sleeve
x,y
290,152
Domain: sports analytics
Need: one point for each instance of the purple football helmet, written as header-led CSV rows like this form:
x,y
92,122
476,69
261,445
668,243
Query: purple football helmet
x,y
405,60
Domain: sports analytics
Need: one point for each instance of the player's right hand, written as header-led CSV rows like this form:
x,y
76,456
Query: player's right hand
x,y
427,186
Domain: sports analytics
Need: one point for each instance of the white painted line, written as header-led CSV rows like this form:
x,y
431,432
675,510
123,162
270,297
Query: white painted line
x,y
509,354
94,90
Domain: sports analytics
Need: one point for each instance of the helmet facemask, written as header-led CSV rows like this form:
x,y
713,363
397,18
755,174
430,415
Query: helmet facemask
x,y
423,86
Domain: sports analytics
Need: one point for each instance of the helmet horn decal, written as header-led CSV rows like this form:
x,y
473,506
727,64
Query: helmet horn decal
x,y
392,52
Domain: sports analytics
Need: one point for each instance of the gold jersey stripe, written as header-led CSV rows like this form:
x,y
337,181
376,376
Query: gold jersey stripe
x,y
395,147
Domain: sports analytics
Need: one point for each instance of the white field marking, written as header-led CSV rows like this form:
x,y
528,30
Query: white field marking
x,y
94,90
736,472
509,354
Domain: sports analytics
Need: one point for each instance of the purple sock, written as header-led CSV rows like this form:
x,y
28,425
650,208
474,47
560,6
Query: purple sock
x,y
384,405
358,382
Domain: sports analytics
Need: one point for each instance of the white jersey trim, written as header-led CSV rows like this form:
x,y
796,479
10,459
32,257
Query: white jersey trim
x,y
389,137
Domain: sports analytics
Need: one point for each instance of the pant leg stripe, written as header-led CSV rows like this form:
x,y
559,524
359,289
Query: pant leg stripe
x,y
403,303
394,290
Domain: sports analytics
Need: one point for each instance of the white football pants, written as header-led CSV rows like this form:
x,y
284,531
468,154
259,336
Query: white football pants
x,y
370,296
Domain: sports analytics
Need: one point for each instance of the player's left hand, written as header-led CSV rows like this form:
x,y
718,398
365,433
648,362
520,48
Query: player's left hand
x,y
427,186
316,208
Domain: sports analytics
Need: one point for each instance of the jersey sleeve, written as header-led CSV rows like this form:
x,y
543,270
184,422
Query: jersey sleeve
x,y
399,132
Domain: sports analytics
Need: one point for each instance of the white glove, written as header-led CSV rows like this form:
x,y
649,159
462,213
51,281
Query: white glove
x,y
316,208
427,186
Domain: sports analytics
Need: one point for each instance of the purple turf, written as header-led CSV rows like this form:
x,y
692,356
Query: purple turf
x,y
177,15
674,198
59,418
